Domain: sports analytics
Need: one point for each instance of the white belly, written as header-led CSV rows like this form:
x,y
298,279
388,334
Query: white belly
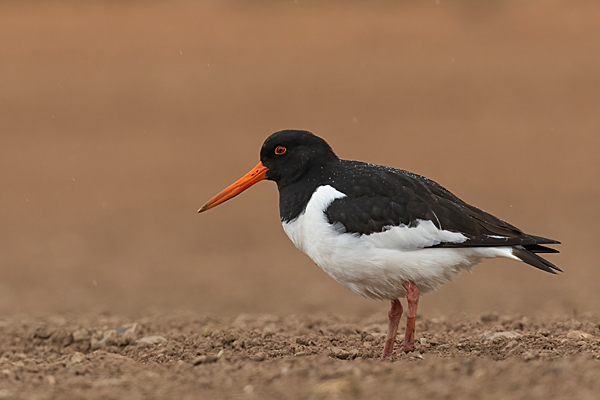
x,y
376,265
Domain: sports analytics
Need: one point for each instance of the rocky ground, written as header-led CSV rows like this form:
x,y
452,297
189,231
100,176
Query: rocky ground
x,y
298,356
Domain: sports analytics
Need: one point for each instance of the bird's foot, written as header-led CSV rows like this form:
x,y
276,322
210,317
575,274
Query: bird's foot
x,y
406,348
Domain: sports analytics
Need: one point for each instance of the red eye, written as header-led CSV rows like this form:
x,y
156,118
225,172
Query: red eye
x,y
280,150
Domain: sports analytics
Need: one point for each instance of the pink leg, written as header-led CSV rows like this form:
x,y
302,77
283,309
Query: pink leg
x,y
394,316
412,297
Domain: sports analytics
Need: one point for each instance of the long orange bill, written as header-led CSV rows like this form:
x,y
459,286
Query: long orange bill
x,y
257,174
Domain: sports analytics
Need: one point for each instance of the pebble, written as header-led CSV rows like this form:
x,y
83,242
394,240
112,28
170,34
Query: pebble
x,y
578,335
205,360
77,357
98,344
511,345
43,333
127,330
151,340
81,335
336,352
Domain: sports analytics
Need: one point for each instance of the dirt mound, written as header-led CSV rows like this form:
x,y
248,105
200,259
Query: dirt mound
x,y
267,356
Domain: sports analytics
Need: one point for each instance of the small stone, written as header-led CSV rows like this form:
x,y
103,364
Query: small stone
x,y
423,341
248,389
127,330
199,360
42,333
336,352
208,359
511,345
51,380
151,340
578,335
77,357
81,335
98,344
369,338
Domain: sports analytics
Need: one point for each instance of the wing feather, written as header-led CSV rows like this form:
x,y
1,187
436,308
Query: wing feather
x,y
379,198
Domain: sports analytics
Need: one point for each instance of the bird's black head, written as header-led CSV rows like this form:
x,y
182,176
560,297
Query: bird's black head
x,y
285,157
290,154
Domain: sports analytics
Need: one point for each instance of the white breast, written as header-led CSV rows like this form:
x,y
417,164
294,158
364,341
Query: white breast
x,y
376,265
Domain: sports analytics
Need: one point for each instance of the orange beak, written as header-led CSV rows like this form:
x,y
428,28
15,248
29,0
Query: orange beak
x,y
257,174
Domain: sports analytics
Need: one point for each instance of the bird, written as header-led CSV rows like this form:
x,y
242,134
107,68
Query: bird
x,y
382,232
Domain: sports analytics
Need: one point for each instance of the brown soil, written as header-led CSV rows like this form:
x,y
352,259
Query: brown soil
x,y
266,356
119,119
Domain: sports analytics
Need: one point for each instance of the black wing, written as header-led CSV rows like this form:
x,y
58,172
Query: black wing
x,y
380,197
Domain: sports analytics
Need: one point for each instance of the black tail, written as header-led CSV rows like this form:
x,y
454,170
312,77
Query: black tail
x,y
536,248
527,254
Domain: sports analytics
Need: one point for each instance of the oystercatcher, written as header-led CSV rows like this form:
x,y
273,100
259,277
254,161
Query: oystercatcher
x,y
382,232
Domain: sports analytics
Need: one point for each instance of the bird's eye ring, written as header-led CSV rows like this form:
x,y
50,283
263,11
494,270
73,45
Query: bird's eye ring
x,y
280,150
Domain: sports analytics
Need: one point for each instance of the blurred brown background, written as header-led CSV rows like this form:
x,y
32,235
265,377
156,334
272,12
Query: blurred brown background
x,y
119,119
